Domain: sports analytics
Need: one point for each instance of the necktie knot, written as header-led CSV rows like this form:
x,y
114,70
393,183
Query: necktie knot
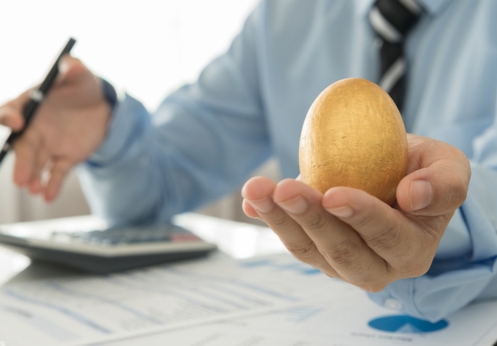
x,y
392,20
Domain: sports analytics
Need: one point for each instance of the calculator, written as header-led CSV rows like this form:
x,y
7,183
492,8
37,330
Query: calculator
x,y
109,249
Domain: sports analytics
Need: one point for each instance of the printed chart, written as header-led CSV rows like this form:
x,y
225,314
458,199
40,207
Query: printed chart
x,y
86,309
266,301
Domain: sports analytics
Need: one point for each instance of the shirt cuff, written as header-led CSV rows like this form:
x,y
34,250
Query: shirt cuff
x,y
124,118
110,93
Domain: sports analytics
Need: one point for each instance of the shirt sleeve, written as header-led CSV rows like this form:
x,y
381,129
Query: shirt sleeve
x,y
187,153
465,267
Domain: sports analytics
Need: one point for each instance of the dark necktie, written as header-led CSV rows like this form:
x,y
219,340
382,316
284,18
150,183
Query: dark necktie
x,y
392,20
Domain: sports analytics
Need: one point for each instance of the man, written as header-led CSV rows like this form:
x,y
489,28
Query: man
x,y
428,255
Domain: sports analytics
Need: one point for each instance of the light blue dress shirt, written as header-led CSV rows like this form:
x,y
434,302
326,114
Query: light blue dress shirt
x,y
249,105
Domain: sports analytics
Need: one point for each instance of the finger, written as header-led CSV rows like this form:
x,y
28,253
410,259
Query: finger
x,y
249,210
440,182
258,193
42,157
26,155
340,244
407,249
58,172
11,113
11,118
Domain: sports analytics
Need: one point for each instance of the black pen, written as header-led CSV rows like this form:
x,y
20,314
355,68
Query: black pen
x,y
36,98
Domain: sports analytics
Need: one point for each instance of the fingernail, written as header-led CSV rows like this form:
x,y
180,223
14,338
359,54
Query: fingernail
x,y
342,212
263,205
297,205
421,194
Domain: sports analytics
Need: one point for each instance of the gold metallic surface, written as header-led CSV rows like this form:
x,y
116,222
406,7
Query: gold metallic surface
x,y
353,135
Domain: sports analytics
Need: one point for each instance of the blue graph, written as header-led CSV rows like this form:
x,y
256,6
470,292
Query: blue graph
x,y
406,324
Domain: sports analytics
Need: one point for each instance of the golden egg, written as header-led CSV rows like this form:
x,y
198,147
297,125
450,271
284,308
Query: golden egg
x,y
353,135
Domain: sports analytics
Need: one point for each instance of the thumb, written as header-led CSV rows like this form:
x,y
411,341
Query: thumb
x,y
70,70
439,185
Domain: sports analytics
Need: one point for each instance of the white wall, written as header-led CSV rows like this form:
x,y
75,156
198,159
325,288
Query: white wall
x,y
147,47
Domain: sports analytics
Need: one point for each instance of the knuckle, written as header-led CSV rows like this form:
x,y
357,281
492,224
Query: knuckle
x,y
344,255
364,220
316,221
385,239
306,253
277,221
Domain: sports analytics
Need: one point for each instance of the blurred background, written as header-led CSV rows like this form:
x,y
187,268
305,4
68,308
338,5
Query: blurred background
x,y
146,47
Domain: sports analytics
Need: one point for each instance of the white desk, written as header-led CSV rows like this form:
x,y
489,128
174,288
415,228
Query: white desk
x,y
303,307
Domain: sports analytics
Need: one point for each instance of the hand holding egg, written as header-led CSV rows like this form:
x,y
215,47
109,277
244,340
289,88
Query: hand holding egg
x,y
355,161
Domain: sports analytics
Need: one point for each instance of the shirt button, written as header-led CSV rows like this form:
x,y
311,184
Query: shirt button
x,y
393,304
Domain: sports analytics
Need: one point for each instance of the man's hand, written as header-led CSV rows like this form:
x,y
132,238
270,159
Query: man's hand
x,y
68,126
348,234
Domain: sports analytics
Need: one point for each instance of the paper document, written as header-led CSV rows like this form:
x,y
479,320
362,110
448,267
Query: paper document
x,y
86,309
346,319
264,301
341,323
